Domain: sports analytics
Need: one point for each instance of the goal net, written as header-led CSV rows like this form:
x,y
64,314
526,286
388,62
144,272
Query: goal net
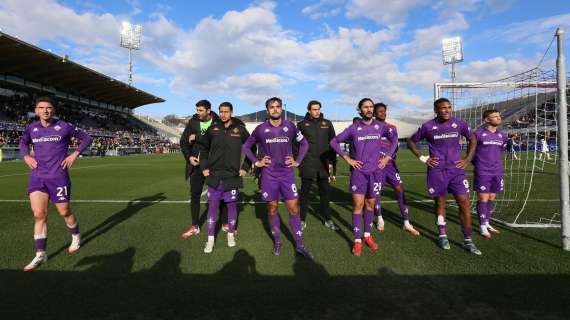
x,y
528,104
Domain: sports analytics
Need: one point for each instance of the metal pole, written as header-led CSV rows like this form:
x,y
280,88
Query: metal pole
x,y
130,67
563,143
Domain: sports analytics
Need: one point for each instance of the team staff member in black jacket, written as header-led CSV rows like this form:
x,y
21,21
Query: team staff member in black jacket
x,y
318,132
193,133
221,164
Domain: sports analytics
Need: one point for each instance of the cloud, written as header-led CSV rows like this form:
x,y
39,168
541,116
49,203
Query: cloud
x,y
532,32
388,12
426,40
492,69
322,9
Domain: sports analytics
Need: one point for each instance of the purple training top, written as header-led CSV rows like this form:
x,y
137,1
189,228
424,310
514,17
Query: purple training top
x,y
490,145
277,143
444,141
51,144
366,140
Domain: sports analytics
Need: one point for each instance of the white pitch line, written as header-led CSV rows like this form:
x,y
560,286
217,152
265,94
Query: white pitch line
x,y
256,202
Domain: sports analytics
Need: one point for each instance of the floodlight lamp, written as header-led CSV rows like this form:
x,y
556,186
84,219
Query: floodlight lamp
x,y
131,36
452,50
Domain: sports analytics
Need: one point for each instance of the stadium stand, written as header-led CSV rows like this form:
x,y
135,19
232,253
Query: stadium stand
x,y
100,105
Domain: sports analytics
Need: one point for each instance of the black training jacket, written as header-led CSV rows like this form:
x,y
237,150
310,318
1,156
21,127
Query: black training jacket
x,y
189,148
318,132
220,151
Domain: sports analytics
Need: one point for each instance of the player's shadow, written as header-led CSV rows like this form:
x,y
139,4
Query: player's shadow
x,y
133,207
115,263
242,266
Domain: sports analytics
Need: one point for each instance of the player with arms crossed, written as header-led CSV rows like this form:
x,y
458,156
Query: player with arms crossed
x,y
488,168
223,170
391,173
446,168
275,137
367,174
50,180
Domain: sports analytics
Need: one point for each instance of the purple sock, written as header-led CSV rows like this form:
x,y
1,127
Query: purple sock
x,y
295,223
402,204
378,208
490,208
368,220
40,242
466,232
232,216
441,226
74,229
275,224
357,225
213,206
482,210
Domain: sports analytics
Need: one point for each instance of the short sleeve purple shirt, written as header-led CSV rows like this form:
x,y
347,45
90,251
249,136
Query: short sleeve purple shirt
x,y
444,140
367,142
50,146
488,154
386,141
277,143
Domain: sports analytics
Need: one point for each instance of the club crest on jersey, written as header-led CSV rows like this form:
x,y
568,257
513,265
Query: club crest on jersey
x,y
35,130
285,129
500,135
483,188
454,125
431,190
215,129
235,130
57,128
359,128
265,195
324,125
353,188
484,135
434,128
267,130
376,127
307,124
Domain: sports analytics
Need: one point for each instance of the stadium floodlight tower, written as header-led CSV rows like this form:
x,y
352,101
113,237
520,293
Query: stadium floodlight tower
x,y
131,39
452,53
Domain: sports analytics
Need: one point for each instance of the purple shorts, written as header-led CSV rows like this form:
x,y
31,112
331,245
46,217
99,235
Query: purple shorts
x,y
366,183
442,182
489,184
281,187
219,194
392,176
58,188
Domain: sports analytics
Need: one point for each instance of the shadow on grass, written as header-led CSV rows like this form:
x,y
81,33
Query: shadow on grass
x,y
132,208
110,290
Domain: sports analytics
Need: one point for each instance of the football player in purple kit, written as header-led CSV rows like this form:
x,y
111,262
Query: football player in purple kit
x,y
367,174
488,168
223,169
446,168
275,137
49,180
391,174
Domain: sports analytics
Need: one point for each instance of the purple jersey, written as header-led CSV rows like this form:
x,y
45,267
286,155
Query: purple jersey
x,y
366,140
387,141
277,143
490,145
444,140
51,144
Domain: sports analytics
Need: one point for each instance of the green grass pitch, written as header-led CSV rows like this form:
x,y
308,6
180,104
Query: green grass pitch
x,y
134,265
